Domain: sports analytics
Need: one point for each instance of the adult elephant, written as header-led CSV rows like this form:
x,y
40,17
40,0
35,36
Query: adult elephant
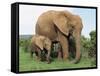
x,y
58,26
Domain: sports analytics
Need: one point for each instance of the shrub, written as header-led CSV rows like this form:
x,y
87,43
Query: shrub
x,y
24,43
92,51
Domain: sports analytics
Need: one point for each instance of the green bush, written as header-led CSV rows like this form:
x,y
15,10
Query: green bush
x,y
92,51
88,47
24,43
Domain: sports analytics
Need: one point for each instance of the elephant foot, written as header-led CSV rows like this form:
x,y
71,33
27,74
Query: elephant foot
x,y
48,62
74,61
65,58
77,60
38,59
59,58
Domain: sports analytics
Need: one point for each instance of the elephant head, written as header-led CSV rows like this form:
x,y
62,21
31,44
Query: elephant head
x,y
42,42
70,25
67,23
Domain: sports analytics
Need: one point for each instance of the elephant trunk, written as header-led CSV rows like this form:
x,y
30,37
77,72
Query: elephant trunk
x,y
77,45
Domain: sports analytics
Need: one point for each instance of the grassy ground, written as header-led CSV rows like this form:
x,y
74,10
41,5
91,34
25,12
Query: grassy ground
x,y
28,64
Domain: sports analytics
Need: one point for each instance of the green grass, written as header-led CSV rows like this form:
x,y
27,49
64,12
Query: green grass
x,y
26,63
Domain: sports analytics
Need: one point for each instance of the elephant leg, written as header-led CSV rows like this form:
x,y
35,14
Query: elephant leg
x,y
59,55
72,47
64,43
38,54
59,52
48,57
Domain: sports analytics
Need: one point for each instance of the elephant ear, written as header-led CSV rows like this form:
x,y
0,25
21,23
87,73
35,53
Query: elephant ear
x,y
61,23
40,42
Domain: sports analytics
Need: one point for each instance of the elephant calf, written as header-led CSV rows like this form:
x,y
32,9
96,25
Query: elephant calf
x,y
39,44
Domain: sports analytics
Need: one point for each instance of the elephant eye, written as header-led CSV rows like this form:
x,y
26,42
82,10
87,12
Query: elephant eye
x,y
71,30
46,44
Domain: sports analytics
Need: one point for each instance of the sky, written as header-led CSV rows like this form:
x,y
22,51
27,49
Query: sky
x,y
28,15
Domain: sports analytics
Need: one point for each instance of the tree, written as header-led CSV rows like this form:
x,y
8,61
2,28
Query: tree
x,y
85,46
88,47
85,42
24,43
92,52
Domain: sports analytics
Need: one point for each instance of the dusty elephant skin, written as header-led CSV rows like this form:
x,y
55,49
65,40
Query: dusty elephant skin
x,y
58,26
38,44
